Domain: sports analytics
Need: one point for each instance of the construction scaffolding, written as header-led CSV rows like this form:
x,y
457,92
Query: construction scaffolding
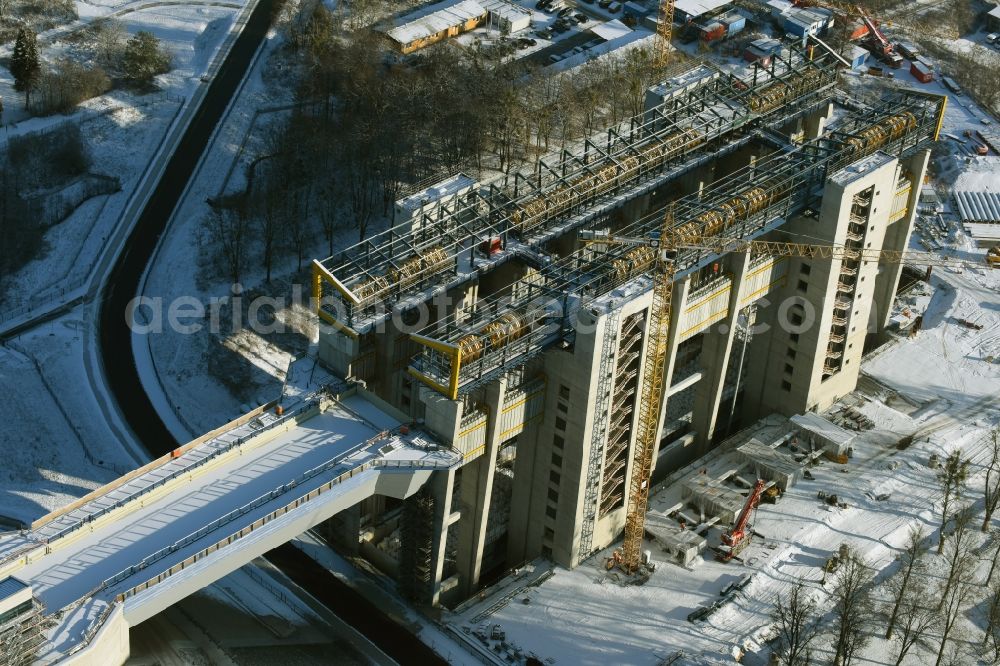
x,y
439,250
21,634
416,557
467,349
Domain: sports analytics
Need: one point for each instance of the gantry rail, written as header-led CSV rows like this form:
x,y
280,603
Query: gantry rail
x,y
463,351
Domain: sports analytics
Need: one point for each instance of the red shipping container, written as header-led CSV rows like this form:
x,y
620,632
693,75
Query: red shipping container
x,y
491,246
921,72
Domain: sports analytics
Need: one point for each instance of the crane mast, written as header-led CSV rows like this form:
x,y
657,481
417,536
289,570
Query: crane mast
x,y
664,28
650,396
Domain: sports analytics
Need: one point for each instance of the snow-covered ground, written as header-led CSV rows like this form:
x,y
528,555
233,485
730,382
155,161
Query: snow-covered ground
x,y
123,132
71,453
61,440
53,447
73,245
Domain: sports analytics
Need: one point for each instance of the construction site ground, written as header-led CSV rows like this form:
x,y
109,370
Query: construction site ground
x,y
940,386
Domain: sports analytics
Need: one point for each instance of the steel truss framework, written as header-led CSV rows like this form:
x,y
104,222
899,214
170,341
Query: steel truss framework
x,y
716,116
543,309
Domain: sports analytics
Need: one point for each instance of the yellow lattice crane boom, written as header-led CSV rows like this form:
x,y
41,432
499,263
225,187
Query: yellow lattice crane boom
x,y
653,383
664,28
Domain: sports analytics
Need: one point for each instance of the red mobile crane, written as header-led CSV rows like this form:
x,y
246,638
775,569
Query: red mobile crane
x,y
878,43
739,535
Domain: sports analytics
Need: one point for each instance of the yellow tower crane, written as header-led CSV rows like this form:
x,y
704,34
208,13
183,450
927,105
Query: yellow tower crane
x,y
664,28
650,397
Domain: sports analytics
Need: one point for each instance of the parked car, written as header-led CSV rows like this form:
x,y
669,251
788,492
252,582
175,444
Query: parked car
x,y
559,26
615,7
992,37
542,4
581,18
545,33
604,4
565,11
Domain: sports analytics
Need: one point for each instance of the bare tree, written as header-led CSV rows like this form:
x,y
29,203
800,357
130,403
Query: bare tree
x,y
991,636
299,222
991,490
328,214
637,73
109,44
952,479
364,12
229,228
996,556
852,607
952,601
915,621
909,559
798,625
268,220
958,553
362,186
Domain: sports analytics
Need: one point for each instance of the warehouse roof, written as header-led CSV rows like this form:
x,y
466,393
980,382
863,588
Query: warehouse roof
x,y
506,9
611,30
977,191
699,7
439,17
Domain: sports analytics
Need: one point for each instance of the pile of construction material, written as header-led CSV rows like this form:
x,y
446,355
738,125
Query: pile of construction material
x,y
712,496
682,544
824,434
767,462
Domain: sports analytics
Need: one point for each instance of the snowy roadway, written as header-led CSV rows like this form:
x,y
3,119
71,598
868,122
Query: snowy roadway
x,y
214,490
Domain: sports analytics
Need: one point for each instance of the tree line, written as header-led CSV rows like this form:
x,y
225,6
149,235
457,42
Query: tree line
x,y
367,126
60,86
31,164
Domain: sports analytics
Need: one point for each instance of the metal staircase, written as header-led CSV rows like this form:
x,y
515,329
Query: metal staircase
x,y
599,432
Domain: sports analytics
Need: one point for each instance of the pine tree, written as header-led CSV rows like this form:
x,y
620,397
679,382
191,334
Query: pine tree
x,y
24,64
144,58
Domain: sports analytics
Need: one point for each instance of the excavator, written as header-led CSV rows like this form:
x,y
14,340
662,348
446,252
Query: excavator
x,y
878,43
667,243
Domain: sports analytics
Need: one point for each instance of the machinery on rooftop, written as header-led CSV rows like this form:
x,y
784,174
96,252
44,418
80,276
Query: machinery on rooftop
x,y
703,116
734,207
